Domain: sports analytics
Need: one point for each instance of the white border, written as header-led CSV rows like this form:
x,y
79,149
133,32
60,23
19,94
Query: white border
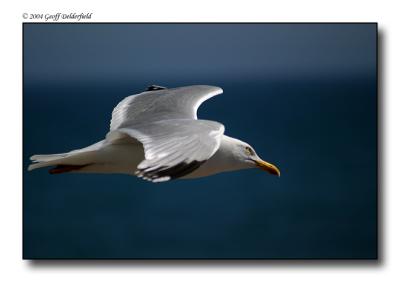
x,y
383,12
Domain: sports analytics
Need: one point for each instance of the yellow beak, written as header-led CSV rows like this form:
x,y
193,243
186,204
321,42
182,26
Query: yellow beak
x,y
268,167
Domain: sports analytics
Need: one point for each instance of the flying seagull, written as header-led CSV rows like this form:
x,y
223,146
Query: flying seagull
x,y
156,136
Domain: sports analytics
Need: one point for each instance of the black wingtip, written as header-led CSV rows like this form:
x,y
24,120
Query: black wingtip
x,y
155,87
174,172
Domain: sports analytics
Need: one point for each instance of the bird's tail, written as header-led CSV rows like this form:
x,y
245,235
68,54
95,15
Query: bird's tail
x,y
63,162
66,162
44,160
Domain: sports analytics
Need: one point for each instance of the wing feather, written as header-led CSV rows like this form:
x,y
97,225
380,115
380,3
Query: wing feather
x,y
163,104
173,148
165,122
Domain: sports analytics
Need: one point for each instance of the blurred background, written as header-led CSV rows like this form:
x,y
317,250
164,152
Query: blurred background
x,y
304,95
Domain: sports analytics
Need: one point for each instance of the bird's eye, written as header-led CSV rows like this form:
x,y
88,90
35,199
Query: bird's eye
x,y
249,151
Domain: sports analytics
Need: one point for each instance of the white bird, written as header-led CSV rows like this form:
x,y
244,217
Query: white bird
x,y
156,135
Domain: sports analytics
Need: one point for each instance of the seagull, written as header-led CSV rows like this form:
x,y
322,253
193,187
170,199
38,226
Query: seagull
x,y
156,136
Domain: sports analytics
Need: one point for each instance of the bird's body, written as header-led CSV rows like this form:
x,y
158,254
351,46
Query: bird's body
x,y
156,135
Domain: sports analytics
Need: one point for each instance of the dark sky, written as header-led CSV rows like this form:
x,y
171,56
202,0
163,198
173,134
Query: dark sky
x,y
304,95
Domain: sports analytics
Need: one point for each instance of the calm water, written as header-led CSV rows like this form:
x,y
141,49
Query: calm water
x,y
303,95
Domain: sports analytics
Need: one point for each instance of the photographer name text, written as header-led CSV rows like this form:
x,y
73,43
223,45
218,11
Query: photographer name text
x,y
58,16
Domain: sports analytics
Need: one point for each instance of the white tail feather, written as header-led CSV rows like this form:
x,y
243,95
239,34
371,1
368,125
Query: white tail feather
x,y
46,158
37,165
76,157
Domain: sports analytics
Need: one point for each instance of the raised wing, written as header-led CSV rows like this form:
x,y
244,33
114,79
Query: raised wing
x,y
173,148
163,104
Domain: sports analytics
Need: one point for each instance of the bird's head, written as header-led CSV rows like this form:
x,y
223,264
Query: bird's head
x,y
247,156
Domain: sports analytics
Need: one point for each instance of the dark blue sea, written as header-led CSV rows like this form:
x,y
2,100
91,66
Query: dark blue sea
x,y
303,95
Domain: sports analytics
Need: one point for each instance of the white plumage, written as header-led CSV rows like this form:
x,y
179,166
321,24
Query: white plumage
x,y
156,135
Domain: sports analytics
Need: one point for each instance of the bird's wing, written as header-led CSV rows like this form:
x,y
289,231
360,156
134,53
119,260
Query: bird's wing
x,y
160,103
173,148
